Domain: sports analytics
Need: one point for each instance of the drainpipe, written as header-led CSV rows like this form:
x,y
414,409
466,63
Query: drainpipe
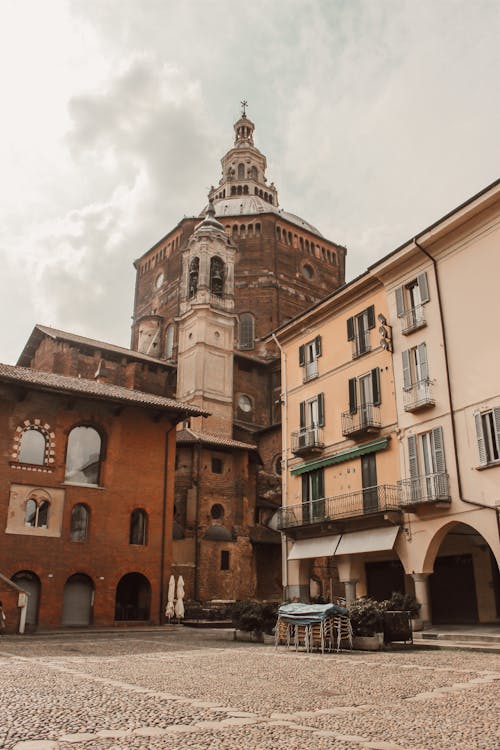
x,y
448,384
284,463
196,527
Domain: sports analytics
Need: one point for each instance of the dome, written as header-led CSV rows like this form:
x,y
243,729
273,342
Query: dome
x,y
246,205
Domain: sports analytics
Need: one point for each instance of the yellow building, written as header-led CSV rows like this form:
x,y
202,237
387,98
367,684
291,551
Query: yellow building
x,y
391,426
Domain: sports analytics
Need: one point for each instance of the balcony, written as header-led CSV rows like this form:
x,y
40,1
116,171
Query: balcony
x,y
365,421
310,371
428,489
418,396
307,441
412,320
361,344
381,498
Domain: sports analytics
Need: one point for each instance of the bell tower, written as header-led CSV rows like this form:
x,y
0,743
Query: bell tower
x,y
206,324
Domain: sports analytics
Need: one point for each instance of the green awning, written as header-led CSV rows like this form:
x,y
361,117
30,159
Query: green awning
x,y
346,455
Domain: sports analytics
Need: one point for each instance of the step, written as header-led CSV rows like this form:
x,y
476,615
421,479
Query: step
x,y
448,645
459,636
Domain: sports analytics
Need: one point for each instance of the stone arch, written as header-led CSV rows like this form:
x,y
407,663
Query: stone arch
x,y
133,597
78,598
44,430
30,582
488,532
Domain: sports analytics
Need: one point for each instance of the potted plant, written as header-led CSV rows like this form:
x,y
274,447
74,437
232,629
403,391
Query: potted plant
x,y
253,620
399,611
366,617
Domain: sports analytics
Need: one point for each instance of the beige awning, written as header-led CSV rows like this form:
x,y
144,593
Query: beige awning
x,y
323,546
368,540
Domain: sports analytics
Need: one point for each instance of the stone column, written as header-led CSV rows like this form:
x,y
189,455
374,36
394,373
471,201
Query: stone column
x,y
422,595
350,590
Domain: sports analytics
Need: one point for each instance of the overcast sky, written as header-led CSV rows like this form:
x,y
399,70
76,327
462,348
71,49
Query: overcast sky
x,y
376,117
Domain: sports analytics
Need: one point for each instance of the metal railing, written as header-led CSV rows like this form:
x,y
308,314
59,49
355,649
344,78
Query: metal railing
x,y
412,319
361,344
307,439
418,395
424,489
310,370
365,419
377,499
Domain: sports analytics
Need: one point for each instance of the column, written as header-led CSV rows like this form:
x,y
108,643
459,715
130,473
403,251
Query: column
x,y
350,591
422,595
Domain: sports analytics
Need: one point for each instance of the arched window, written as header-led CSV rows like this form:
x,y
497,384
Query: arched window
x,y
37,512
241,171
169,341
246,331
138,527
240,190
253,173
233,189
32,449
83,456
194,269
242,231
80,515
217,276
217,512
245,189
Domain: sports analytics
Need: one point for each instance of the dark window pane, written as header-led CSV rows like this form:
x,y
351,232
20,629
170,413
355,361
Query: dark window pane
x,y
30,515
138,527
79,523
43,513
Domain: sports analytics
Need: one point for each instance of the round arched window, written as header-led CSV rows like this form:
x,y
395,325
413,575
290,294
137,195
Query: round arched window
x,y
217,511
277,465
308,271
245,403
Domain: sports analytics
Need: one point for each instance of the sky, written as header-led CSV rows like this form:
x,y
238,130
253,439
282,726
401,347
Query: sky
x,y
377,117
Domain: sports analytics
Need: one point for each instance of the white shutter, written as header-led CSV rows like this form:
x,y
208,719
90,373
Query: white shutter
x,y
422,361
483,456
412,456
496,419
406,369
400,302
438,450
423,287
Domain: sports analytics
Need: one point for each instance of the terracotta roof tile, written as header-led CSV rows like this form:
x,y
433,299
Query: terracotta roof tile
x,y
189,437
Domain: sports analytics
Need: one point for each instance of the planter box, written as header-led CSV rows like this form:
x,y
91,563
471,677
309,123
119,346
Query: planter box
x,y
368,642
250,636
397,627
269,639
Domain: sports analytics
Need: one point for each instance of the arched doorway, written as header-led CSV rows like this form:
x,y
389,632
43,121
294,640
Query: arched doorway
x,y
78,597
30,582
133,597
465,583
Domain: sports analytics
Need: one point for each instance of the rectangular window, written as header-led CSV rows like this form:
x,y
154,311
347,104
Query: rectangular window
x,y
428,478
410,299
224,560
312,413
416,382
488,436
217,465
313,494
308,358
358,331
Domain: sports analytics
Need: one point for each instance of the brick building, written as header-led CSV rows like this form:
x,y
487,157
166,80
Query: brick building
x,y
207,295
87,479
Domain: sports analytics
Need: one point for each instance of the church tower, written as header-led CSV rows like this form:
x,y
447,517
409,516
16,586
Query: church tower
x,y
206,324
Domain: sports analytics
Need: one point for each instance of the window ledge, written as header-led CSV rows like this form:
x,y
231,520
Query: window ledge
x,y
489,465
84,484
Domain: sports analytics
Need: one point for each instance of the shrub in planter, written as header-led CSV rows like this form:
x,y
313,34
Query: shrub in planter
x,y
366,616
254,617
402,603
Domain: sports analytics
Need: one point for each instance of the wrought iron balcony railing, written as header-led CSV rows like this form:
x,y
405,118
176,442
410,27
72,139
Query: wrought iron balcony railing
x,y
308,440
412,319
361,344
429,488
377,499
364,421
418,396
310,370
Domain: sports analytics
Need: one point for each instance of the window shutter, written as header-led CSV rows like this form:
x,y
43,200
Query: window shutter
x,y
423,287
350,329
302,414
320,486
422,359
438,450
321,409
483,457
352,396
412,456
305,488
370,311
496,419
317,346
302,355
406,369
376,386
400,302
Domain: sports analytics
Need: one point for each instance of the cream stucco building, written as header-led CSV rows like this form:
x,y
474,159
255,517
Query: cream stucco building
x,y
391,424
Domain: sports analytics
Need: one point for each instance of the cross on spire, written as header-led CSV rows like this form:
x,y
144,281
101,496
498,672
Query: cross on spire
x,y
244,105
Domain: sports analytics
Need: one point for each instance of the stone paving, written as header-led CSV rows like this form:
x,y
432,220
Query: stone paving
x,y
176,688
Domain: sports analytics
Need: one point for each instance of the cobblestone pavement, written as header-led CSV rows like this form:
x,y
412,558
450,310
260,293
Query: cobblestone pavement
x,y
176,688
